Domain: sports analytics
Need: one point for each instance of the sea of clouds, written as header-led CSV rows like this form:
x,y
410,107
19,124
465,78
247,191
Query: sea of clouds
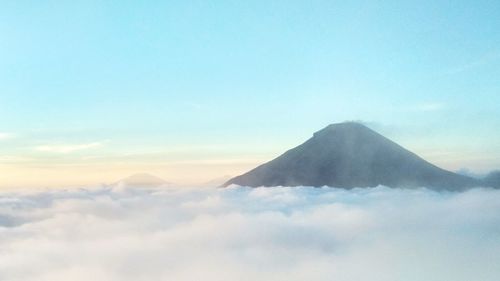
x,y
243,234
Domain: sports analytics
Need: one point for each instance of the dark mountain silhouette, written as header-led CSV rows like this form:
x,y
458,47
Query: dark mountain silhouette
x,y
493,179
351,155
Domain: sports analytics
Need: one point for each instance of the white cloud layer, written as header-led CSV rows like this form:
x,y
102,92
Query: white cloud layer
x,y
249,234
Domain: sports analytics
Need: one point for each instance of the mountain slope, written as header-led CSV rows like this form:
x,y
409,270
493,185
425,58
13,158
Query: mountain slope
x,y
351,155
493,179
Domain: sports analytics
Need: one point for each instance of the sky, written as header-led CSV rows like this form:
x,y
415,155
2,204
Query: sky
x,y
93,91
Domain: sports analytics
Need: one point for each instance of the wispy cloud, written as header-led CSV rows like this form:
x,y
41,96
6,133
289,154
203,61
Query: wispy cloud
x,y
5,136
425,107
193,105
432,106
67,148
483,60
14,159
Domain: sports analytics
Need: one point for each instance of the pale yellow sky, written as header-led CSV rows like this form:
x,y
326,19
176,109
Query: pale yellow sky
x,y
82,175
95,163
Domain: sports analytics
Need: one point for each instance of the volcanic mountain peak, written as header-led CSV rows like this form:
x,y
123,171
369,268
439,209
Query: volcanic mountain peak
x,y
342,128
350,155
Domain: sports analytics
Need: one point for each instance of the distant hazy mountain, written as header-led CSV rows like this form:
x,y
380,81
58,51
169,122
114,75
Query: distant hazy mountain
x,y
351,155
142,180
215,182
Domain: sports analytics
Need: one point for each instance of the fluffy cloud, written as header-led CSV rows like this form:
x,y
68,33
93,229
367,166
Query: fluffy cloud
x,y
249,234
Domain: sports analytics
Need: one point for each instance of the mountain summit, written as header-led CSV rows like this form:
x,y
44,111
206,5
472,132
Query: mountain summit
x,y
351,155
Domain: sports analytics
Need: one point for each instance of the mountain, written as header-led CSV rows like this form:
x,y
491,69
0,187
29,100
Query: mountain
x,y
351,155
142,180
215,182
493,179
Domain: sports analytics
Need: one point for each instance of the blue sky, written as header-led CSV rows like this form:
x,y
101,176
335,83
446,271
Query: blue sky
x,y
194,90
